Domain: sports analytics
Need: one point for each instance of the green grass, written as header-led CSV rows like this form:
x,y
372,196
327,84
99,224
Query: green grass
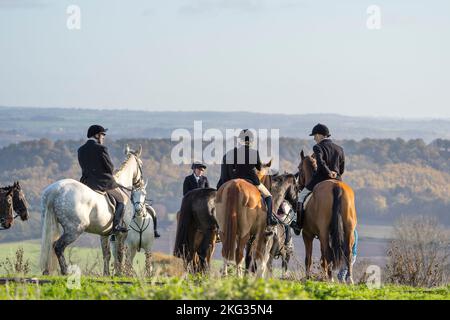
x,y
169,283
85,258
212,288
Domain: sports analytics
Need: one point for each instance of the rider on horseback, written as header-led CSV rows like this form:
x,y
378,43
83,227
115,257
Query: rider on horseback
x,y
330,165
196,179
98,169
243,166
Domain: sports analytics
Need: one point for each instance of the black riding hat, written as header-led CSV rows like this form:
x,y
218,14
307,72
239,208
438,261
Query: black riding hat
x,y
320,129
246,136
196,165
94,129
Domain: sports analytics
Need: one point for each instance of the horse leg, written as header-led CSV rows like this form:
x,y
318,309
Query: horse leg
x,y
212,246
262,253
325,258
284,264
203,251
270,265
148,263
308,240
106,250
349,257
225,267
130,254
120,251
249,260
60,245
242,242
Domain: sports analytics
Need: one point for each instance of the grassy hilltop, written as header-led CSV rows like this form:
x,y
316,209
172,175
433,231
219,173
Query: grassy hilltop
x,y
170,282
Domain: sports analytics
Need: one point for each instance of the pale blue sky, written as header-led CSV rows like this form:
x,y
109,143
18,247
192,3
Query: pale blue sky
x,y
281,56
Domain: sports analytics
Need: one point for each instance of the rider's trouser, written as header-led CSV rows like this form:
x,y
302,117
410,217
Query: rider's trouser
x,y
152,212
120,198
268,200
262,188
301,199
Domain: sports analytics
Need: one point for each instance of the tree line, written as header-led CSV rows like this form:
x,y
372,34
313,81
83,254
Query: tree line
x,y
391,177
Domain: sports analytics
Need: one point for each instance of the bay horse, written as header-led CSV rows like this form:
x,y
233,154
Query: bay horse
x,y
196,229
78,208
19,204
330,215
241,215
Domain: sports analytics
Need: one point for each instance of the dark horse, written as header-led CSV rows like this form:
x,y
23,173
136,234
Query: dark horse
x,y
282,187
196,229
12,198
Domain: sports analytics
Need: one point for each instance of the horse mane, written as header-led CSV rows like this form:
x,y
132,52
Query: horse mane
x,y
311,162
123,164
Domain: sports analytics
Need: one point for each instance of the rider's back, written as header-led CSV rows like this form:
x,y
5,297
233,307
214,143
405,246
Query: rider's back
x,y
96,165
332,156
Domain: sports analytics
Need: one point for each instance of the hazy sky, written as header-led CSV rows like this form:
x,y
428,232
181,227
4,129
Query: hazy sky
x,y
283,56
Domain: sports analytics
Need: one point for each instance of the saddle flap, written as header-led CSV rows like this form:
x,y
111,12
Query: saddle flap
x,y
109,199
305,203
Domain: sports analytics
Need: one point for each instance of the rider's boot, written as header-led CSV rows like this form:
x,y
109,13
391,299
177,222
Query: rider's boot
x,y
118,215
155,221
271,221
295,227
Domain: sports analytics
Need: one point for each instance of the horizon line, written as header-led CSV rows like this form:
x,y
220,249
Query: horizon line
x,y
379,117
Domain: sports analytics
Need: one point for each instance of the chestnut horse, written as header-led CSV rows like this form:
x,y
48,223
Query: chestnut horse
x,y
241,214
330,215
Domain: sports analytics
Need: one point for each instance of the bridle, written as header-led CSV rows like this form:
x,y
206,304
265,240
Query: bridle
x,y
145,222
3,220
136,184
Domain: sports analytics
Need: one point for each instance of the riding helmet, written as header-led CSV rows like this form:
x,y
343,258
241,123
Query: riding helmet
x,y
320,129
197,164
94,129
246,136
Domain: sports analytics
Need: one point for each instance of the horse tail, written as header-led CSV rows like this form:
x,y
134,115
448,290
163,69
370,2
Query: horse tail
x,y
184,221
230,228
50,233
337,229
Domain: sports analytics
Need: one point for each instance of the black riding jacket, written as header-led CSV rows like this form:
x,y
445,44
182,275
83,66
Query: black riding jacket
x,y
329,157
190,183
96,166
240,163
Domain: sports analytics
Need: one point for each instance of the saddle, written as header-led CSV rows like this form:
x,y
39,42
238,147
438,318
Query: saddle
x,y
305,203
109,199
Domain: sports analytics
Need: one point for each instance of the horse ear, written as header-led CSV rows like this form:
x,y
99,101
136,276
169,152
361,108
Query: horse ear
x,y
268,164
139,151
127,149
302,155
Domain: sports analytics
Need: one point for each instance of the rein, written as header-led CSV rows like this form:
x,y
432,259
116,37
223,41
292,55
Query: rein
x,y
141,229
